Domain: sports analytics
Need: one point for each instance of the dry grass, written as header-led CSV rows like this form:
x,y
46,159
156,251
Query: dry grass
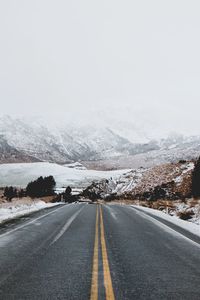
x,y
193,202
25,200
47,199
16,202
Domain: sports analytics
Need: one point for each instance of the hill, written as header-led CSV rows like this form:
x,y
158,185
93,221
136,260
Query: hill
x,y
169,181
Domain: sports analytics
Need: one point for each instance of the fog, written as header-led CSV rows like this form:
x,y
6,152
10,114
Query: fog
x,y
125,60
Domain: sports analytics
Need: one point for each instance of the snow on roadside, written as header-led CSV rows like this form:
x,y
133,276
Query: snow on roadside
x,y
14,210
191,227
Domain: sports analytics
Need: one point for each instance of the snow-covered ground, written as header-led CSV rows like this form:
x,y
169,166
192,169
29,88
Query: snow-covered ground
x,y
22,173
191,227
16,209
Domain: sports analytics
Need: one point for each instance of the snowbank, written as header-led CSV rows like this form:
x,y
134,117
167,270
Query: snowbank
x,y
191,227
13,210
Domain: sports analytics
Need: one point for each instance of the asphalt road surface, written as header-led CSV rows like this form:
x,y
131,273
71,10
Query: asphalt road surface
x,y
82,251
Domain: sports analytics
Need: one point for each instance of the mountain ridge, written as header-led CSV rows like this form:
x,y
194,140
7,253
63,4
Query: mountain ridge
x,y
96,146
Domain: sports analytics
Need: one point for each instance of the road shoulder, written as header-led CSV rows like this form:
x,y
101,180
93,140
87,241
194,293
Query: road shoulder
x,y
192,232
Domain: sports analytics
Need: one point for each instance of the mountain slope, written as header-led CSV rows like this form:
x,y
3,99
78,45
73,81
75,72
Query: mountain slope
x,y
64,143
9,154
100,147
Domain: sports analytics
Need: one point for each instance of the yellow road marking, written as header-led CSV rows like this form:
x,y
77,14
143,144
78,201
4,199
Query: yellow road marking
x,y
106,269
94,287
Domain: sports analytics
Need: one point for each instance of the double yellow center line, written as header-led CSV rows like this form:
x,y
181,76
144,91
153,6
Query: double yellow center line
x,y
95,277
106,270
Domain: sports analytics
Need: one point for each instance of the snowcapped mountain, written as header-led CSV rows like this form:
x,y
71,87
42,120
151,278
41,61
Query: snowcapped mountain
x,y
9,154
36,139
62,144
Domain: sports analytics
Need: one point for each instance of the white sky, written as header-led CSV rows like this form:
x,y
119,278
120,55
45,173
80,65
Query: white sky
x,y
60,55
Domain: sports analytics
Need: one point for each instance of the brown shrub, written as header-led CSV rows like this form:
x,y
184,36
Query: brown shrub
x,y
185,215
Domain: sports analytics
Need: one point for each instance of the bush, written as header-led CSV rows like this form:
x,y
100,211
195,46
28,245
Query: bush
x,y
21,193
57,198
10,192
182,161
186,215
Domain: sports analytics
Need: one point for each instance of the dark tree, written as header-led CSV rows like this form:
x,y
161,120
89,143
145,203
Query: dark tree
x,y
196,180
41,187
68,194
49,185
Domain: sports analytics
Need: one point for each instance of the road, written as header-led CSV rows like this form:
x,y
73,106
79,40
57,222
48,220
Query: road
x,y
82,251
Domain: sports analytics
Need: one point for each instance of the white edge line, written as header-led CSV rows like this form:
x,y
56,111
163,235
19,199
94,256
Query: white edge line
x,y
66,226
160,224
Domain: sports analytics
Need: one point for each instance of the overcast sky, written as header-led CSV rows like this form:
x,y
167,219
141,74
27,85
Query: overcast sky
x,y
60,55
